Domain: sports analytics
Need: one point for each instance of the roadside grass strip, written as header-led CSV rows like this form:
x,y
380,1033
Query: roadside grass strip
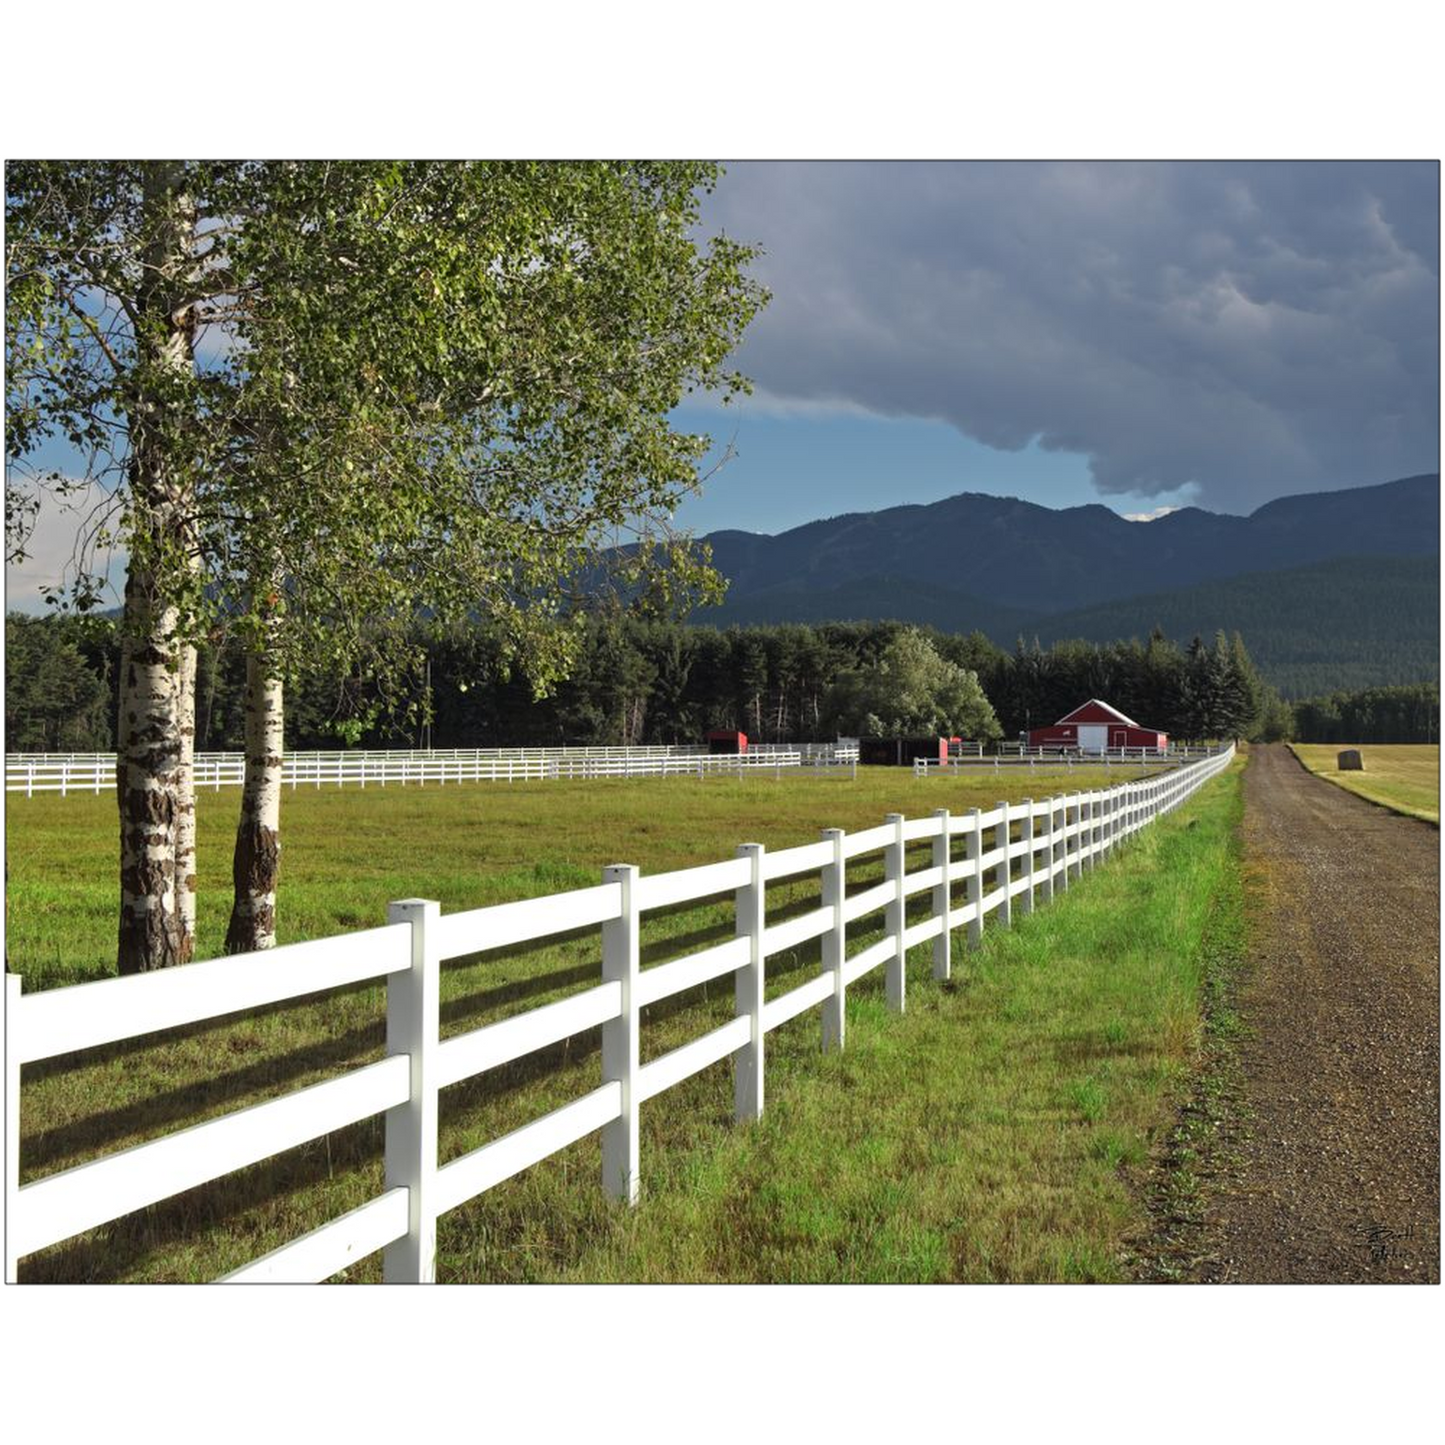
x,y
1404,777
997,1132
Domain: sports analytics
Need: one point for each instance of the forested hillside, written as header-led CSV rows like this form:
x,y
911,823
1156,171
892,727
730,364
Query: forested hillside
x,y
1344,624
1349,623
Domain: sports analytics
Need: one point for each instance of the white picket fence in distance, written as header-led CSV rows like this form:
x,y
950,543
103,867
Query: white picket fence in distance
x,y
1059,837
66,773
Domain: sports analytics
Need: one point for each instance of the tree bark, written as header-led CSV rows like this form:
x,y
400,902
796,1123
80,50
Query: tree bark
x,y
185,874
150,768
256,864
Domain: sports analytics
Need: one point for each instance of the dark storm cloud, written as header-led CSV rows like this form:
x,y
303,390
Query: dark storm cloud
x,y
1255,329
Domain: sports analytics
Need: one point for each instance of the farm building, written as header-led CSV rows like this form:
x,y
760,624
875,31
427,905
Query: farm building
x,y
896,752
726,740
1094,727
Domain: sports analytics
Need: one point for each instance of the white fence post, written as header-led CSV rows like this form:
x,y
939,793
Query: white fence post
x,y
1005,869
835,941
973,852
751,904
412,1019
942,896
1052,803
621,961
1026,828
12,1120
895,866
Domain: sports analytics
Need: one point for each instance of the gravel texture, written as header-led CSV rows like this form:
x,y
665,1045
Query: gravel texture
x,y
1339,1172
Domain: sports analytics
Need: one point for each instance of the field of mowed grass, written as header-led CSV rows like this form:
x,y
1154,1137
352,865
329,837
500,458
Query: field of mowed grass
x,y
980,1136
1402,776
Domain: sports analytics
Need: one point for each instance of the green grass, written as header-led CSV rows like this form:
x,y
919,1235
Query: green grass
x,y
1202,1148
347,851
1404,777
993,1133
987,1134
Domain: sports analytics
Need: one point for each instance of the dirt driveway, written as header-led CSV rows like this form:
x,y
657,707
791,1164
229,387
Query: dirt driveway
x,y
1340,1179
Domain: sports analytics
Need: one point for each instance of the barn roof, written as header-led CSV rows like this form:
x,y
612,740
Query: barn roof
x,y
1096,702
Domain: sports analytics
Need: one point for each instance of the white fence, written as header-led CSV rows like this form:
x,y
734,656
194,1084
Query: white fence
x,y
65,773
1057,839
1035,758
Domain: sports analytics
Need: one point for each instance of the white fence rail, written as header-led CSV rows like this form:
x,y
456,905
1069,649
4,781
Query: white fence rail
x,y
1057,838
65,773
1068,759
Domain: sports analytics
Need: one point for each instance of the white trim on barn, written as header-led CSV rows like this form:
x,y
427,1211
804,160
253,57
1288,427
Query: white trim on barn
x,y
1098,702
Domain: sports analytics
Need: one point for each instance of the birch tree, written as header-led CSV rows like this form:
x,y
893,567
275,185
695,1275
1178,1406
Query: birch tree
x,y
501,418
105,271
323,396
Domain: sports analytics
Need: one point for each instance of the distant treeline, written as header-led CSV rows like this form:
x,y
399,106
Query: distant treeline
x,y
640,681
1373,715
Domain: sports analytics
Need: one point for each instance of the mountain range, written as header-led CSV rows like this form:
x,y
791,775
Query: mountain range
x,y
1330,589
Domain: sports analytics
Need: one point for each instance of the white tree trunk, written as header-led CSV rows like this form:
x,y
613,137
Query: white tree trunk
x,y
257,861
147,771
156,709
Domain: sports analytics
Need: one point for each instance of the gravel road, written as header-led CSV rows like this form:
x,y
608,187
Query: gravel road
x,y
1340,1173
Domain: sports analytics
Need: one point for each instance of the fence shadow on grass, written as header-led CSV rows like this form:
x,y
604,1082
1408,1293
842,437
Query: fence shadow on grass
x,y
117,1248
147,1118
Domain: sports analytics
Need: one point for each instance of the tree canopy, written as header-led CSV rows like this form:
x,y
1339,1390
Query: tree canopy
x,y
908,690
324,398
391,364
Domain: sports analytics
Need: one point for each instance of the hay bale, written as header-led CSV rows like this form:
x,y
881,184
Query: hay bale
x,y
1351,761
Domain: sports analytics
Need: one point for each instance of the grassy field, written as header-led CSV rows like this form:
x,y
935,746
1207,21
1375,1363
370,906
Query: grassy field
x,y
988,1134
1402,776
346,852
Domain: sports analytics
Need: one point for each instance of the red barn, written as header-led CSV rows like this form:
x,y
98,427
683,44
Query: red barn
x,y
1094,727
